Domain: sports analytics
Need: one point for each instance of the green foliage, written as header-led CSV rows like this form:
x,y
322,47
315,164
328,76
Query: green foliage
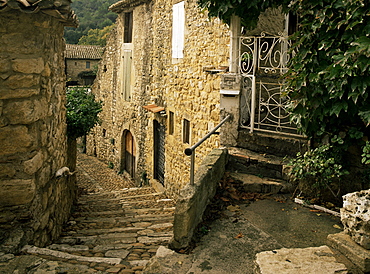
x,y
366,153
328,80
82,111
317,167
96,37
247,10
92,15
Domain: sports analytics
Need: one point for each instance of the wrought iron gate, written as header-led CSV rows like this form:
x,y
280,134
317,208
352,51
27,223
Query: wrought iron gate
x,y
263,60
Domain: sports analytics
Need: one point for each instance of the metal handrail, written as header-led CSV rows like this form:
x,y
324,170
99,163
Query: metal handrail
x,y
191,150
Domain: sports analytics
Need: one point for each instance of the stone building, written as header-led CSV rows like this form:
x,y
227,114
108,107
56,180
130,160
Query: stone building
x,y
34,203
159,91
160,80
81,62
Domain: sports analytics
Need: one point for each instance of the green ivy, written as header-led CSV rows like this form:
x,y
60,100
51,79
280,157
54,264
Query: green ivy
x,y
82,111
328,81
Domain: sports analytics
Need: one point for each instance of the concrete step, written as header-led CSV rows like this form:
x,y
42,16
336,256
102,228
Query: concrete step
x,y
256,184
262,165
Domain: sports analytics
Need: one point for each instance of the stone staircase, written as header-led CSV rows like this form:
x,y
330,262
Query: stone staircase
x,y
111,232
258,173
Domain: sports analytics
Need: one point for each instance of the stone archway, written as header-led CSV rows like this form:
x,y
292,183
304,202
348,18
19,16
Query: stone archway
x,y
128,154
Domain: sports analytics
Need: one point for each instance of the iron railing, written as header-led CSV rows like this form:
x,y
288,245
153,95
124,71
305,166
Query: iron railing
x,y
191,150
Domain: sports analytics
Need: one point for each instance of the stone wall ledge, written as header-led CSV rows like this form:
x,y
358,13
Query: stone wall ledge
x,y
194,199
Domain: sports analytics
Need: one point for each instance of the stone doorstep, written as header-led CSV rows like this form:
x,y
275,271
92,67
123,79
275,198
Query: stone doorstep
x,y
253,183
358,255
251,156
63,255
311,260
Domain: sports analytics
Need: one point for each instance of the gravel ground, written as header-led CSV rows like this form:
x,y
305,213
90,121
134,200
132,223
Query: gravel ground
x,y
95,176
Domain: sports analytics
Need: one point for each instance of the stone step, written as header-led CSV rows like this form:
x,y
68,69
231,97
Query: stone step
x,y
263,165
256,184
111,213
64,255
123,220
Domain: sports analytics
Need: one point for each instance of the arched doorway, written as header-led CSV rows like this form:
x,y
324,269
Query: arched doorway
x,y
128,158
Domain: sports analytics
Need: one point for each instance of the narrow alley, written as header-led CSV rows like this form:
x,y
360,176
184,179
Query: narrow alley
x,y
114,227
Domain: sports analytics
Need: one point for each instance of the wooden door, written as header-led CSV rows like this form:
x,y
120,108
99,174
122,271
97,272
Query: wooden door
x,y
159,151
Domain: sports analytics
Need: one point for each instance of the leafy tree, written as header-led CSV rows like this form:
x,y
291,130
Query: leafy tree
x,y
91,15
82,111
247,10
96,36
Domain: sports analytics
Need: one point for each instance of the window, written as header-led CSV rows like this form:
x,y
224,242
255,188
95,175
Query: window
x,y
186,131
126,77
127,35
171,123
87,64
178,30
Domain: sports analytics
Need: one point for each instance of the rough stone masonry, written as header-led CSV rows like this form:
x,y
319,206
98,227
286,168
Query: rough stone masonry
x,y
33,145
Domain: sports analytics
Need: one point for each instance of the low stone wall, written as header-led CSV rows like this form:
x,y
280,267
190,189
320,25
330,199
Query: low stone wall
x,y
194,199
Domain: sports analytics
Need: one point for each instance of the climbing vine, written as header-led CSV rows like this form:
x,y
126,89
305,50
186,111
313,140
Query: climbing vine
x,y
328,80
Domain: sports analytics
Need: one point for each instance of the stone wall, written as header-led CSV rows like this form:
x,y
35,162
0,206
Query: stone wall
x,y
75,66
33,203
194,199
182,87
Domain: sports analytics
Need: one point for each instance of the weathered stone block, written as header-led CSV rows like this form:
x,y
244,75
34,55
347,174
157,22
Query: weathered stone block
x,y
22,81
25,112
33,65
34,164
8,93
7,170
16,192
355,216
4,65
15,139
351,250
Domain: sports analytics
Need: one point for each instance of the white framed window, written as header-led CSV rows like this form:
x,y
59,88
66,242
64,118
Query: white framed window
x,y
178,30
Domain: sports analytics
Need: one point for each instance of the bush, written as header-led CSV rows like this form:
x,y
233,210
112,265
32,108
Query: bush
x,y
316,170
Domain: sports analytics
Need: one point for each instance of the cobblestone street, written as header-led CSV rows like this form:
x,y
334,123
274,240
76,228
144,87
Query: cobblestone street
x,y
114,228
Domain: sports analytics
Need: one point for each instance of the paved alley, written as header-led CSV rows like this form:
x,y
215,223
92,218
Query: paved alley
x,y
114,228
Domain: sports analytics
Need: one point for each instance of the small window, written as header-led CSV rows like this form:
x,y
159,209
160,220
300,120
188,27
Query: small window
x,y
127,34
171,123
186,131
87,64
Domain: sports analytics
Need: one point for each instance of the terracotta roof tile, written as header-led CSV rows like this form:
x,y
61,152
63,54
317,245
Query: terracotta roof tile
x,y
60,9
83,52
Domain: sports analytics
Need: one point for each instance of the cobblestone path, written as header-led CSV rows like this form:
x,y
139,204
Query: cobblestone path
x,y
111,230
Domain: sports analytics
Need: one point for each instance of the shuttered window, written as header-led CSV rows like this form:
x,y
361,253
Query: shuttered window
x,y
178,30
126,77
